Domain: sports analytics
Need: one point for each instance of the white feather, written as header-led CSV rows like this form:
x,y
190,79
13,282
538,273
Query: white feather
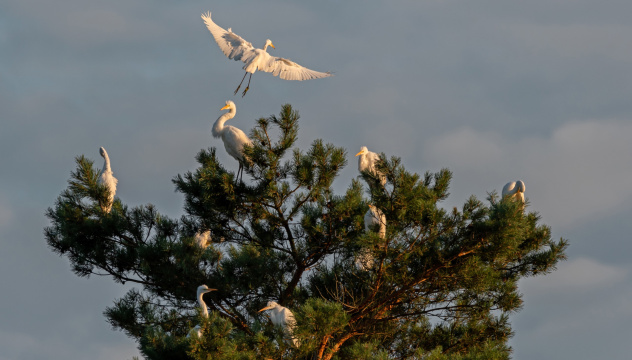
x,y
367,161
234,139
107,179
201,290
515,190
374,218
203,239
283,317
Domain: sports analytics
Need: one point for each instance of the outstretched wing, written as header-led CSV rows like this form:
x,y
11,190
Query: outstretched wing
x,y
289,70
232,45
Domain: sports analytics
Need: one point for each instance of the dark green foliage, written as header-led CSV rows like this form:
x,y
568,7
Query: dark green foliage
x,y
441,285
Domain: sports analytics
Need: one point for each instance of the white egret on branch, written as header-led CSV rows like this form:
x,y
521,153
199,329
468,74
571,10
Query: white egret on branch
x,y
374,217
201,290
515,189
107,179
234,139
203,239
236,48
366,162
283,317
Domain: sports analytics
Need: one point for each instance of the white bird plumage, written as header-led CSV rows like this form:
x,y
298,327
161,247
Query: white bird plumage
x,y
236,48
283,317
201,290
107,179
234,139
203,239
373,218
366,162
515,189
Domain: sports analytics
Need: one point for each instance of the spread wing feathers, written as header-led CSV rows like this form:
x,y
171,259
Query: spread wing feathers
x,y
289,70
232,45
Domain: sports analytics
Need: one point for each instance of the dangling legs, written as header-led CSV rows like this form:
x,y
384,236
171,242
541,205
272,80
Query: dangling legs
x,y
239,172
247,86
242,80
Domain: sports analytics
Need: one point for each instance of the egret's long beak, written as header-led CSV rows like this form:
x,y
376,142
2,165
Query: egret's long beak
x,y
209,290
265,308
360,153
272,45
225,107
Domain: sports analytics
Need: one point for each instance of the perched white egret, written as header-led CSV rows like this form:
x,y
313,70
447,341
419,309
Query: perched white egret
x,y
203,240
366,162
107,179
515,189
201,290
234,139
283,317
236,48
373,217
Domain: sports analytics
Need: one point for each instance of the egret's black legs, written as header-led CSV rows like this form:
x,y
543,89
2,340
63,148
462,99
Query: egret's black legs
x,y
242,80
247,86
240,172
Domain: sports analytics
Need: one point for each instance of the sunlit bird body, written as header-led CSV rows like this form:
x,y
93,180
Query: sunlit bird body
x,y
515,189
366,162
107,179
372,219
375,217
201,290
203,240
236,48
234,139
283,317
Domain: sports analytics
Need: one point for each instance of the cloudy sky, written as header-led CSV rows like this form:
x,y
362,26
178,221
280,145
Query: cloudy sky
x,y
494,90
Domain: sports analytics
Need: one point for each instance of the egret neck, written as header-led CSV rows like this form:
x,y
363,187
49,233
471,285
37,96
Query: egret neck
x,y
219,124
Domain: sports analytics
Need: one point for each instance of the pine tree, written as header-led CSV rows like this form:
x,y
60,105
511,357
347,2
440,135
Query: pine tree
x,y
440,284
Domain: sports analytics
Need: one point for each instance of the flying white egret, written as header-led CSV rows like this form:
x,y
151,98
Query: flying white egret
x,y
366,162
107,179
283,317
203,239
234,139
515,189
201,290
236,48
373,217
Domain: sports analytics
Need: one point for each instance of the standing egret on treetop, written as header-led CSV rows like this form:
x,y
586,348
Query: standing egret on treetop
x,y
373,217
367,161
236,48
515,189
201,290
107,179
234,139
283,317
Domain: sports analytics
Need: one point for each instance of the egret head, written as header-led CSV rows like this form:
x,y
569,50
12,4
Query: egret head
x,y
520,186
363,150
102,151
229,105
269,43
202,289
271,304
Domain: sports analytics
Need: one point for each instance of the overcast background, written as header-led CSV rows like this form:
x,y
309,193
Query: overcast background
x,y
494,90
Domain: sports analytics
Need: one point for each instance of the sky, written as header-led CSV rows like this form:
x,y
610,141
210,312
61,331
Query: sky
x,y
494,90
